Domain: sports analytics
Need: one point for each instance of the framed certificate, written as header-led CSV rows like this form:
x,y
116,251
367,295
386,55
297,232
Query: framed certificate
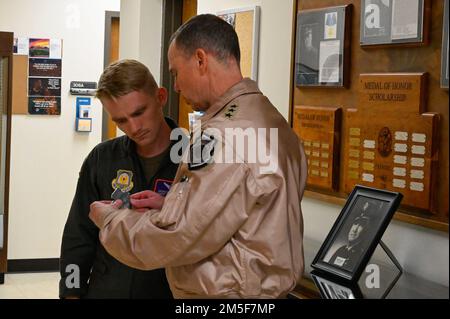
x,y
322,47
394,22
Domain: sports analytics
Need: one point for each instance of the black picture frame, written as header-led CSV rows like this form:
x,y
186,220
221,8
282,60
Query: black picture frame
x,y
331,288
322,49
394,22
445,48
356,232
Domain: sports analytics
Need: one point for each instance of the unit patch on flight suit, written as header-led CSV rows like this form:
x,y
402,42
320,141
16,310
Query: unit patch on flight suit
x,y
122,185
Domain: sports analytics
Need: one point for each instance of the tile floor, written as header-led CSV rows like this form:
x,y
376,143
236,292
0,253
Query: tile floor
x,y
41,285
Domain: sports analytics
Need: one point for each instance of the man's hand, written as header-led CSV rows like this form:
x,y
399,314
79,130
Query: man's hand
x,y
100,209
145,200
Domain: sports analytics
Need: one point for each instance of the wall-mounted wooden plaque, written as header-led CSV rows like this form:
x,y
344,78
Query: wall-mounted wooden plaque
x,y
319,128
389,142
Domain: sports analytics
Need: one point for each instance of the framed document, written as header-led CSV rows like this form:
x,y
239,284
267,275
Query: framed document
x,y
389,22
444,64
356,232
322,47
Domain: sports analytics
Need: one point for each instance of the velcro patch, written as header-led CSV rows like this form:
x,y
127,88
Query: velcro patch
x,y
162,186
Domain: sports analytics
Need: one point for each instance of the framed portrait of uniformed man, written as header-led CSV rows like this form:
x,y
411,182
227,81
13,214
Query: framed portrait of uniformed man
x,y
356,232
322,47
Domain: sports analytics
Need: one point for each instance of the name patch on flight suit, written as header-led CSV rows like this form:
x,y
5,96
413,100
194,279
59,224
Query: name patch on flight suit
x,y
201,152
162,186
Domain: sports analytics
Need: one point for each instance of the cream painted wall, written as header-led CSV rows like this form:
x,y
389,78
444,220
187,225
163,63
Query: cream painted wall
x,y
46,152
274,45
140,34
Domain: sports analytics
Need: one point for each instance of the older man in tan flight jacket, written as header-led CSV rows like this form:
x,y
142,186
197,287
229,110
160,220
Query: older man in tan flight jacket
x,y
227,228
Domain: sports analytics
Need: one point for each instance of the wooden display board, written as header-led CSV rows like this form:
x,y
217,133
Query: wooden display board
x,y
389,142
401,58
319,128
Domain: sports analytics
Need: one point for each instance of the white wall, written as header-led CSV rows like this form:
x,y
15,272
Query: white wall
x,y
274,46
46,152
140,34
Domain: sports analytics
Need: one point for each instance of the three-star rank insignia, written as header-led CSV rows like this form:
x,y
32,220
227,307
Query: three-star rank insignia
x,y
231,111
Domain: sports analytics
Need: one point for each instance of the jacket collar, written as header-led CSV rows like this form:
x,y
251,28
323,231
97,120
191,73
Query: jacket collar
x,y
245,86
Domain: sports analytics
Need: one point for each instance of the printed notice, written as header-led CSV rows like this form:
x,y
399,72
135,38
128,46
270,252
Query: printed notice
x,y
405,19
329,61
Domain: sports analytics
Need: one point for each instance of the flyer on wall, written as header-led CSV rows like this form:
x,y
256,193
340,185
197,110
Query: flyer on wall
x,y
329,61
405,19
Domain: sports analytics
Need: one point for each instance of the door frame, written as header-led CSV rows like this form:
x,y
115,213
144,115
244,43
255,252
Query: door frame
x,y
171,21
109,16
6,50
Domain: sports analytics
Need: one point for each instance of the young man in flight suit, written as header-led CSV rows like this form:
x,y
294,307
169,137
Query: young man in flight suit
x,y
137,161
226,229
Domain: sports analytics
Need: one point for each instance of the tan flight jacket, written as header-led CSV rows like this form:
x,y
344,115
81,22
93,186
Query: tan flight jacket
x,y
226,230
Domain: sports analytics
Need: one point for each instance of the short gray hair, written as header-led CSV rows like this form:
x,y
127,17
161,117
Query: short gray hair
x,y
210,33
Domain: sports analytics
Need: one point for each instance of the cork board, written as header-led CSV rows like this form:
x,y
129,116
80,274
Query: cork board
x,y
19,85
398,59
246,23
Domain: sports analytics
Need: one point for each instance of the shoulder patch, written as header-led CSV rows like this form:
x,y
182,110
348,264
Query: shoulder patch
x,y
123,180
201,152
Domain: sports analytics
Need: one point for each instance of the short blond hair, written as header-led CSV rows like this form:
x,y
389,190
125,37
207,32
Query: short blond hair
x,y
123,77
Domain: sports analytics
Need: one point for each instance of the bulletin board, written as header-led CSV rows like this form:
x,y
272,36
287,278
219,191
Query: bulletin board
x,y
246,23
37,76
421,59
19,87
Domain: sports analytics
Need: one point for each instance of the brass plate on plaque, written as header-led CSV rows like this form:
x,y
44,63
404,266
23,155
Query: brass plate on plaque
x,y
398,139
319,129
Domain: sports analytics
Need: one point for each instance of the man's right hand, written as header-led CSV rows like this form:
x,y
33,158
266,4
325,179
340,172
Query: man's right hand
x,y
145,200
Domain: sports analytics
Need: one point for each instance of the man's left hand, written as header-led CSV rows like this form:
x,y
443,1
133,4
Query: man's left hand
x,y
101,209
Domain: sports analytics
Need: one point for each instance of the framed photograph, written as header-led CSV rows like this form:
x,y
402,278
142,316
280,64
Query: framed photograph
x,y
323,47
394,22
444,52
356,232
335,289
246,23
